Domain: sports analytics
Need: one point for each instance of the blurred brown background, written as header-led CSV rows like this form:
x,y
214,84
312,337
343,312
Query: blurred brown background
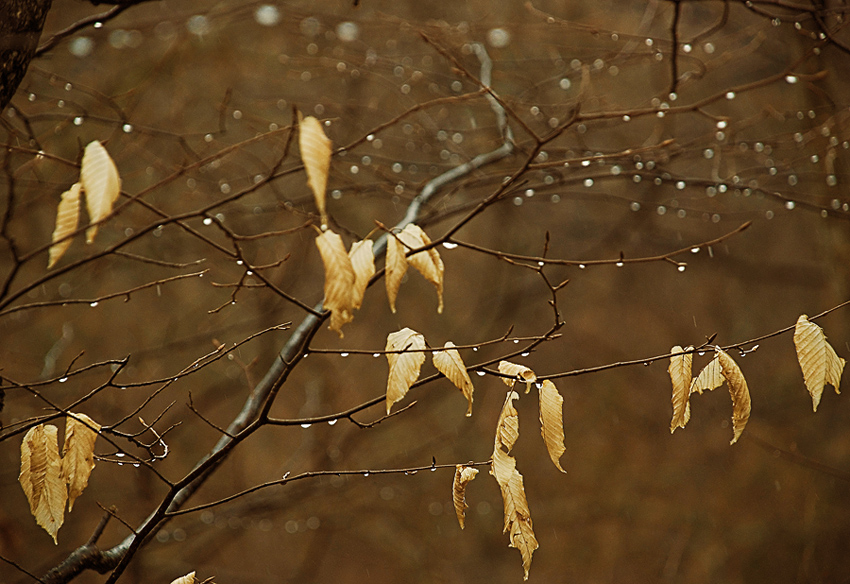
x,y
167,84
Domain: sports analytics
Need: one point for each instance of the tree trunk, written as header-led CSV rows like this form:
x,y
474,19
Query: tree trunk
x,y
21,22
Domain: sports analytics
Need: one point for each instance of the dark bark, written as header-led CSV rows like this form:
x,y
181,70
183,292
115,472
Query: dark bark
x,y
21,22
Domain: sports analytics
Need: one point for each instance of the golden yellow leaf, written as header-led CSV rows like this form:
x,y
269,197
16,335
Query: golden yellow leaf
x,y
552,421
709,379
450,364
428,262
363,263
67,218
516,372
517,513
738,390
78,454
41,478
315,149
339,280
187,579
818,360
395,267
101,183
507,427
463,476
680,374
404,367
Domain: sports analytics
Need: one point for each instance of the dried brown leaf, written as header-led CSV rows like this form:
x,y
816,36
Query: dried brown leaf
x,y
41,478
339,280
428,262
78,454
515,372
187,579
395,267
507,427
709,379
450,364
404,367
101,183
67,218
463,476
552,421
738,390
315,149
517,514
680,374
363,263
818,360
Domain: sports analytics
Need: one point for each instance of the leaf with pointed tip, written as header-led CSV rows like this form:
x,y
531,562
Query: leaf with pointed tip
x,y
67,218
428,262
404,367
101,183
818,360
78,454
680,375
709,379
463,476
363,263
187,579
450,364
517,513
552,421
739,392
514,372
41,478
395,267
339,280
316,150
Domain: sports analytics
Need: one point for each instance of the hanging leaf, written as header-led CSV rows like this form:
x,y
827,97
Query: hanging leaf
x,y
514,372
395,267
78,454
101,183
552,421
41,478
507,427
428,262
404,367
315,149
450,364
709,379
339,280
187,579
463,476
738,390
363,263
517,513
818,360
680,374
67,218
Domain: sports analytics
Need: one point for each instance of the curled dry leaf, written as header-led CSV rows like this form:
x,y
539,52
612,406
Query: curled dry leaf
x,y
428,262
395,267
463,476
507,427
818,360
552,421
78,454
450,364
709,379
41,478
315,149
404,367
738,390
680,375
339,280
101,183
515,372
363,263
67,218
187,579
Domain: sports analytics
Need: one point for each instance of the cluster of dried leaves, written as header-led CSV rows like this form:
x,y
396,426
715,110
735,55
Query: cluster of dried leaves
x,y
820,364
50,480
